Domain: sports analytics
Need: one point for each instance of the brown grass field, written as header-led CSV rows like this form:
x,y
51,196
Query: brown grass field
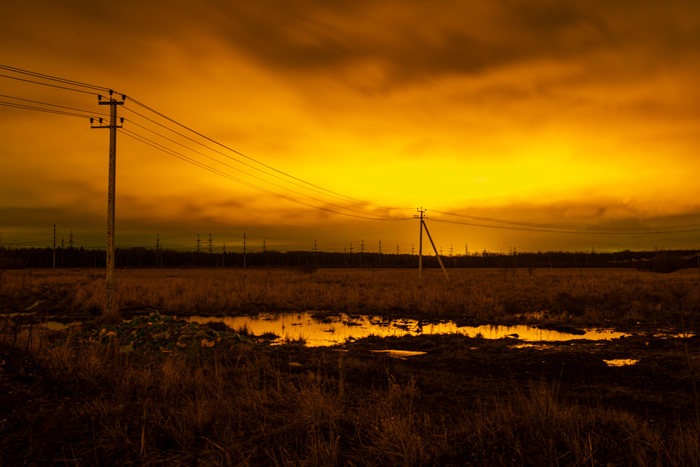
x,y
467,401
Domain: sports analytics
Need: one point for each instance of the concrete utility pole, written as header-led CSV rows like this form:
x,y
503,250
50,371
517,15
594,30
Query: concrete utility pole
x,y
420,242
110,304
436,252
54,245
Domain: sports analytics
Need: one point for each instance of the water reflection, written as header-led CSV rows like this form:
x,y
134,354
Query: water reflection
x,y
338,329
621,362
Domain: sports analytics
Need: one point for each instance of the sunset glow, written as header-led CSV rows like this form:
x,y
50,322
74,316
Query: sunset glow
x,y
559,113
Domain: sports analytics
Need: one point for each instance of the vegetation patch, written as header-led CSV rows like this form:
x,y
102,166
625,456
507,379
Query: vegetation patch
x,y
155,332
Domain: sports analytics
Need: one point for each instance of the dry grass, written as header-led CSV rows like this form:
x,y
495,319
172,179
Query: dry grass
x,y
586,296
249,407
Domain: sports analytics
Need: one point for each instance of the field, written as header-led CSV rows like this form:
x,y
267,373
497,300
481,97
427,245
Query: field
x,y
237,400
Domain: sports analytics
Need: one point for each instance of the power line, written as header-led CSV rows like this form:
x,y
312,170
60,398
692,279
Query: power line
x,y
575,227
52,78
48,84
155,145
246,173
593,232
54,105
43,76
323,191
41,109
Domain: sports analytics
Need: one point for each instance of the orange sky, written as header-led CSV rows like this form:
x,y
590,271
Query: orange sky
x,y
582,113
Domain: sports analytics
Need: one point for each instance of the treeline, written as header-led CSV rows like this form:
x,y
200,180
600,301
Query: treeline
x,y
139,257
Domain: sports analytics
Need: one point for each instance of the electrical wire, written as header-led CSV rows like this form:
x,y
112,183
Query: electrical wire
x,y
243,182
41,109
50,85
593,232
319,190
52,78
55,105
254,176
575,227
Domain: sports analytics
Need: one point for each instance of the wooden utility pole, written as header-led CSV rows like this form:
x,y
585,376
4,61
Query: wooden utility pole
x,y
110,303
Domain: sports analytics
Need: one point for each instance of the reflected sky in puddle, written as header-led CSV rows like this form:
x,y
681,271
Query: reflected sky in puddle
x,y
621,362
56,326
338,329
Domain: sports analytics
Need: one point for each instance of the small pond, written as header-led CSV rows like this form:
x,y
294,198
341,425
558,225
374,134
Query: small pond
x,y
338,329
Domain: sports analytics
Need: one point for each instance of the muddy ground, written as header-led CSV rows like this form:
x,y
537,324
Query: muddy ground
x,y
659,386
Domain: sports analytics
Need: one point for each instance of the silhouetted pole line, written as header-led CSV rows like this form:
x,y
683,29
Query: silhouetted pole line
x,y
110,303
54,245
244,245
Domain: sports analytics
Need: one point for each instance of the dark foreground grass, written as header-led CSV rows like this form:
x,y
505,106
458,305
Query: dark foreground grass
x,y
249,404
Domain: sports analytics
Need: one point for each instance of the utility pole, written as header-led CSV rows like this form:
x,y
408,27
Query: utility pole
x,y
54,245
70,242
243,250
211,249
380,246
110,303
420,242
158,250
264,243
223,257
351,248
362,246
397,249
61,251
436,253
198,243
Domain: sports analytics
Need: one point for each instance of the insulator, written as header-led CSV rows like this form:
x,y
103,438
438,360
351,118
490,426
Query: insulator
x,y
91,121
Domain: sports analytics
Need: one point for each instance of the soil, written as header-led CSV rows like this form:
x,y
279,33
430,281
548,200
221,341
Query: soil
x,y
657,387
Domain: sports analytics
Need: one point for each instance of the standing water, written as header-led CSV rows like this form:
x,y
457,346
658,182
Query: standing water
x,y
338,329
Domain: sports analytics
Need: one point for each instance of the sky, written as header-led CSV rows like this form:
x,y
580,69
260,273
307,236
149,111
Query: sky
x,y
541,125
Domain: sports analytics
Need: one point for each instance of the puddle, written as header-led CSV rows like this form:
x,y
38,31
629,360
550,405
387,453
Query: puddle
x,y
400,353
338,329
621,362
14,315
56,326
